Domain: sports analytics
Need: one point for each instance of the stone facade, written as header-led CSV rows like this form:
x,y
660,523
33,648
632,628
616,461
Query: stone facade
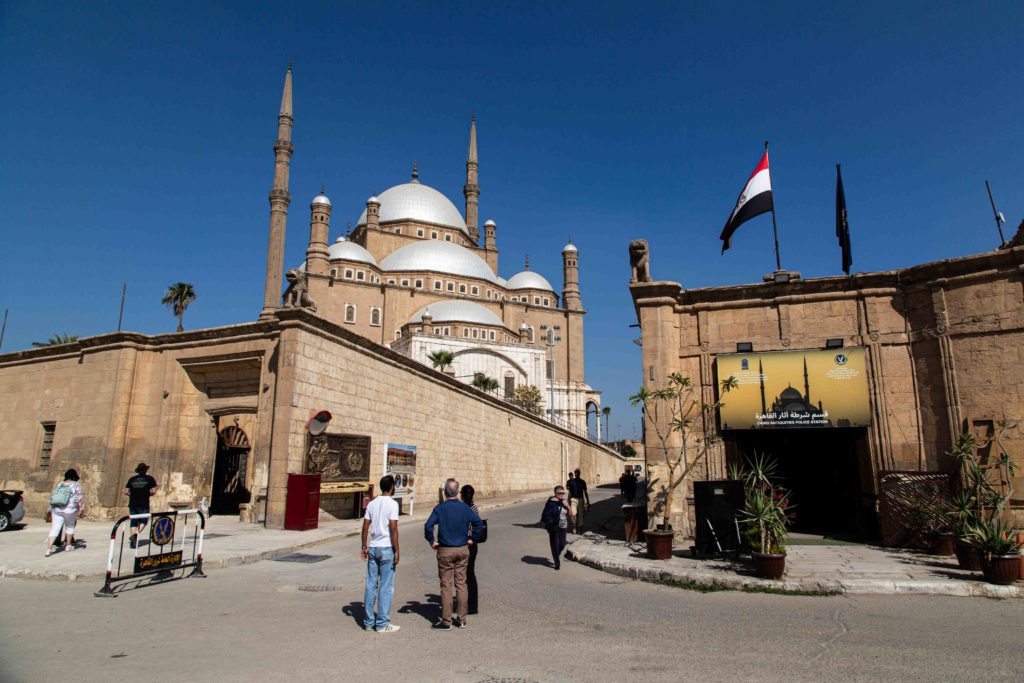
x,y
119,399
944,343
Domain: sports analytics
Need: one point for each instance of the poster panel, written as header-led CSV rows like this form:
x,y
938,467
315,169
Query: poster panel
x,y
793,389
400,462
343,461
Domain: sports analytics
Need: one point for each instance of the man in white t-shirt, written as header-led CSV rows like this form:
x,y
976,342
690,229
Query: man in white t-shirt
x,y
380,523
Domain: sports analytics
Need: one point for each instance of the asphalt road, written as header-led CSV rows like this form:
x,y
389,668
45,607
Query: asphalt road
x,y
277,621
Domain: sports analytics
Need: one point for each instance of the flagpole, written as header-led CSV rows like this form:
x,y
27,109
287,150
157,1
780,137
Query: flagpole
x,y
775,229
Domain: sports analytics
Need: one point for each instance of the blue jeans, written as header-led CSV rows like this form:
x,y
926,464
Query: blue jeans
x,y
380,586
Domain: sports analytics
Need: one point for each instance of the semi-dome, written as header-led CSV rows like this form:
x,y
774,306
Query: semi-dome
x,y
529,280
350,251
417,202
458,311
440,257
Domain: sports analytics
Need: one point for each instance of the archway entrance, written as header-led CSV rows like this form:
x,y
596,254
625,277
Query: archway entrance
x,y
229,472
593,427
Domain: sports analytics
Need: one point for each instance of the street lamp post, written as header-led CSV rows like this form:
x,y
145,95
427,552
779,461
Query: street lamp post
x,y
549,341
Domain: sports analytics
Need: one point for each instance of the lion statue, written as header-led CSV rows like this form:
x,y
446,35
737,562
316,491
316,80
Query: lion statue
x,y
640,261
296,295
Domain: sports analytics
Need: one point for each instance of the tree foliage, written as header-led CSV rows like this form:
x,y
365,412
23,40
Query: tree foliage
x,y
527,397
57,339
485,383
672,413
178,297
441,359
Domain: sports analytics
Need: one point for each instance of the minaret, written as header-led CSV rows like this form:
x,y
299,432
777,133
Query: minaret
x,y
490,235
319,227
279,201
472,189
571,299
807,384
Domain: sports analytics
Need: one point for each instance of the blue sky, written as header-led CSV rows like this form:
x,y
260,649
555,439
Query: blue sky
x,y
138,142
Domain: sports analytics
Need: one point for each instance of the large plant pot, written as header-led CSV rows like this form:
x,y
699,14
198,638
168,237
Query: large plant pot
x,y
942,544
769,565
1001,569
659,544
967,555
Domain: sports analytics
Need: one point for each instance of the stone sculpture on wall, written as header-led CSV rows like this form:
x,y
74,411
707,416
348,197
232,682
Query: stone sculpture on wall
x,y
640,261
296,296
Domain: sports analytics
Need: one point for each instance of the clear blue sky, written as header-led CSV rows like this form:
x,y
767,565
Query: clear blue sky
x,y
138,142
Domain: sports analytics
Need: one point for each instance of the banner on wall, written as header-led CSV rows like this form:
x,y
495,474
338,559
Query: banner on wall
x,y
400,462
791,389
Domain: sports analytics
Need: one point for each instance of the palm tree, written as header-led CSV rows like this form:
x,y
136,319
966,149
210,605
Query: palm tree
x,y
57,339
606,411
178,297
485,383
441,359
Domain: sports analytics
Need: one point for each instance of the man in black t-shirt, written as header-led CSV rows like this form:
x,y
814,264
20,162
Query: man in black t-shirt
x,y
579,500
138,489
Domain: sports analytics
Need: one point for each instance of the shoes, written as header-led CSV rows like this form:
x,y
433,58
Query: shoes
x,y
368,628
557,567
132,541
49,551
441,626
459,623
390,628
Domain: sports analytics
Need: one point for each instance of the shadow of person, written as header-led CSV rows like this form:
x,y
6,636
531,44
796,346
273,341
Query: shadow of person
x,y
429,610
356,610
532,559
534,525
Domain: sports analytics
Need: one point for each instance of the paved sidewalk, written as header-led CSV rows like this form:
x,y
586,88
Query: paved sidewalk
x,y
838,568
228,542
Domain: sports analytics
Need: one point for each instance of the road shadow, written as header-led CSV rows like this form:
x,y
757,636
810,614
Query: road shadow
x,y
429,610
533,559
535,525
356,610
605,518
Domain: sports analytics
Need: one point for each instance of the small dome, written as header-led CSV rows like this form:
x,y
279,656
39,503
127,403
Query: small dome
x,y
372,200
321,199
349,251
417,202
524,327
458,311
569,247
439,257
490,223
529,280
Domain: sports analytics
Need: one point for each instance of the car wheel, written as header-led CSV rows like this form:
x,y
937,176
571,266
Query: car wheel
x,y
5,521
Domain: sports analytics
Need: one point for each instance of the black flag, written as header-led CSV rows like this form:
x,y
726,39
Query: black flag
x,y
842,226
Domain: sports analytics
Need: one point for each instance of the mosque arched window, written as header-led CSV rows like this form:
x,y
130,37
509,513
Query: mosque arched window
x,y
350,313
547,301
447,238
462,289
375,317
475,291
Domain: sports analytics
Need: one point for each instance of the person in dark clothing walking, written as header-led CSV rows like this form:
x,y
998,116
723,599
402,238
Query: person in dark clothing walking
x,y
628,483
556,519
466,493
458,527
579,501
139,489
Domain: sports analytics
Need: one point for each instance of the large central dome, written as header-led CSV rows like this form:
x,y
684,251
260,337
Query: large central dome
x,y
439,257
417,202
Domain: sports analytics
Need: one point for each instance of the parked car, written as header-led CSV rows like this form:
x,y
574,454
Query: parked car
x,y
12,509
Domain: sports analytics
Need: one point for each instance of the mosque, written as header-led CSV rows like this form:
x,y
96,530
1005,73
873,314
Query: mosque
x,y
416,274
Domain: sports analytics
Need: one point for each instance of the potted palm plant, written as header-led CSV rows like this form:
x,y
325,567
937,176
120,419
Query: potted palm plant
x,y
997,540
683,425
963,517
765,511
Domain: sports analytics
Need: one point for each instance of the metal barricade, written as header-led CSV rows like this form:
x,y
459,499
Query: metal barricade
x,y
170,543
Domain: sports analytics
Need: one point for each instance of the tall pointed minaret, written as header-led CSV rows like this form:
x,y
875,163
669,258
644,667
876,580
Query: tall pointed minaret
x,y
279,201
571,299
472,189
807,384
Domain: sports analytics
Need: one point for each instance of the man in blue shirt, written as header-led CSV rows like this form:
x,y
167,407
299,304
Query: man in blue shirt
x,y
457,527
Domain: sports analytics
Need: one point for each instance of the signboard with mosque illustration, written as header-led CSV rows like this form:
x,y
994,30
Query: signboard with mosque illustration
x,y
787,389
400,462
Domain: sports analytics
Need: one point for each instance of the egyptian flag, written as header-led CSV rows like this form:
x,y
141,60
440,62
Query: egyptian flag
x,y
755,199
842,226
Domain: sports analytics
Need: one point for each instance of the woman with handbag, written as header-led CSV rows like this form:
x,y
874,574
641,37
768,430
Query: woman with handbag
x,y
66,506
466,493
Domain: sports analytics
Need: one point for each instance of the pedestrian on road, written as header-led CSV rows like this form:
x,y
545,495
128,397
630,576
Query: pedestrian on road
x,y
458,527
579,501
466,494
139,489
556,519
629,486
66,506
380,523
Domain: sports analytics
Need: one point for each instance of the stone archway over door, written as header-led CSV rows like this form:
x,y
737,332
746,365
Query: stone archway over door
x,y
593,409
228,489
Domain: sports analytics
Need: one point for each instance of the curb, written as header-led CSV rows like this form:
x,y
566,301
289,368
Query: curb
x,y
582,551
236,560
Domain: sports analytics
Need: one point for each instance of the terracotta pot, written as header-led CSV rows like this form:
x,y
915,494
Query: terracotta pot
x,y
769,565
942,544
967,555
659,544
1001,569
